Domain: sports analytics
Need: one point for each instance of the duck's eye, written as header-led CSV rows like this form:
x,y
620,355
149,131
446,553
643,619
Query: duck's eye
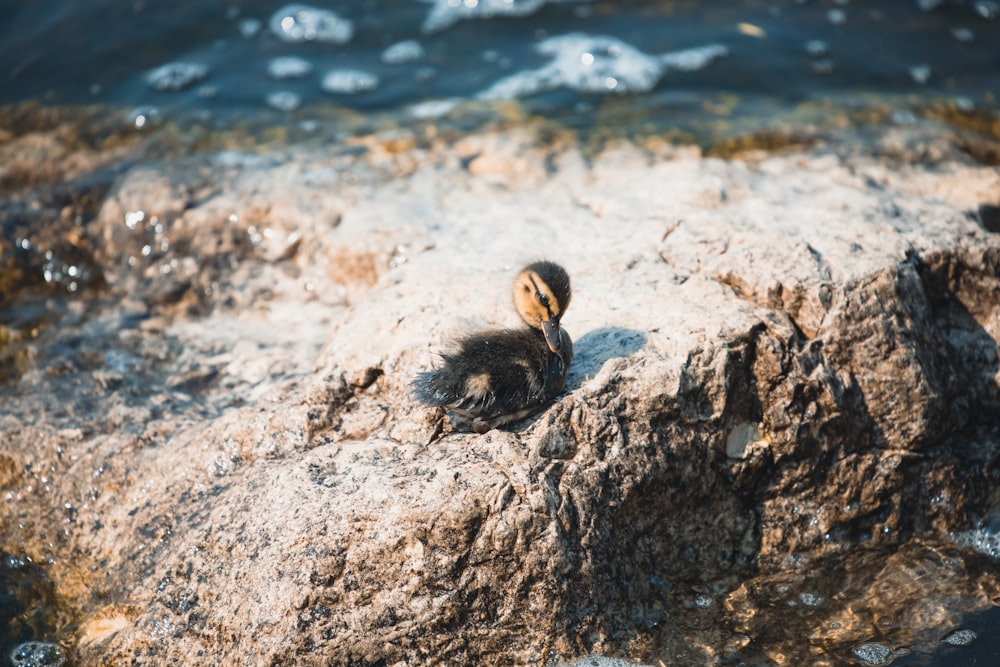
x,y
544,300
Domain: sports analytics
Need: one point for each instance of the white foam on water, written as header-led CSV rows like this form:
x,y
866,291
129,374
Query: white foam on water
x,y
966,104
302,23
920,74
985,539
403,52
288,67
961,637
816,48
144,117
176,75
445,13
691,60
987,9
598,64
433,108
349,81
284,100
38,654
873,653
601,661
811,599
249,28
963,34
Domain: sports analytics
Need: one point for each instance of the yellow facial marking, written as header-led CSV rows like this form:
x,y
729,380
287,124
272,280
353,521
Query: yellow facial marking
x,y
534,299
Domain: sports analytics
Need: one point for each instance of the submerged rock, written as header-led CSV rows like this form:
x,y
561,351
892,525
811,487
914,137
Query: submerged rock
x,y
782,361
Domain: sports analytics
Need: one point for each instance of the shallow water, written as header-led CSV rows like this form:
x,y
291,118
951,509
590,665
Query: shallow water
x,y
653,66
28,612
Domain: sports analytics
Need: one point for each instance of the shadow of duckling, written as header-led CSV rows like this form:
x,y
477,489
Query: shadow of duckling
x,y
593,349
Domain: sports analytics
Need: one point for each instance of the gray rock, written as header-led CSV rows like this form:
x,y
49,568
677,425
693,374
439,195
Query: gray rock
x,y
775,355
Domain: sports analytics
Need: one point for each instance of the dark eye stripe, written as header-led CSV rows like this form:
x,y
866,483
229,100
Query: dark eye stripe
x,y
542,299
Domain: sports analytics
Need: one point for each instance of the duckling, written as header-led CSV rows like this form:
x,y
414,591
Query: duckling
x,y
501,376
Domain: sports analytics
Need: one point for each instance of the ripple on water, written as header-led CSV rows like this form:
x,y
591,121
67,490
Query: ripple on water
x,y
302,23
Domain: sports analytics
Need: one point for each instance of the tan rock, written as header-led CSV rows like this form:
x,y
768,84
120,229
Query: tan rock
x,y
778,361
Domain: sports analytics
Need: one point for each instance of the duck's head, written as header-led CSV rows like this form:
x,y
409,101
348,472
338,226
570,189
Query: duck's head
x,y
541,296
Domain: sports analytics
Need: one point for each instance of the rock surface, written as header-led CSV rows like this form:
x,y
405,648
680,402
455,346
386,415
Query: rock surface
x,y
786,367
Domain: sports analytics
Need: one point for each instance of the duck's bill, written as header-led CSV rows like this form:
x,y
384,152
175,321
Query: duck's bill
x,y
551,330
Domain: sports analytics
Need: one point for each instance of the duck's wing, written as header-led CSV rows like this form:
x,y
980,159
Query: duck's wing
x,y
510,373
465,382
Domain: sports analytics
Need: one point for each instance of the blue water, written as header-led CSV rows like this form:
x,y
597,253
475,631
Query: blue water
x,y
771,57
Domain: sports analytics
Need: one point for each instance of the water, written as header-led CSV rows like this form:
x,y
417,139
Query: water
x,y
637,65
28,615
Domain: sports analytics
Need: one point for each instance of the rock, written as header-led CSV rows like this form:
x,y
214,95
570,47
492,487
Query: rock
x,y
915,587
782,362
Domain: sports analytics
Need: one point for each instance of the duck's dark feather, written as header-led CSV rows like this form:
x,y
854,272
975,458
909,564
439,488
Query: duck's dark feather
x,y
496,376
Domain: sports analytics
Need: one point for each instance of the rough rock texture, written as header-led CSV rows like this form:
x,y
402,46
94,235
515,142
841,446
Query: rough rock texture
x,y
786,366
